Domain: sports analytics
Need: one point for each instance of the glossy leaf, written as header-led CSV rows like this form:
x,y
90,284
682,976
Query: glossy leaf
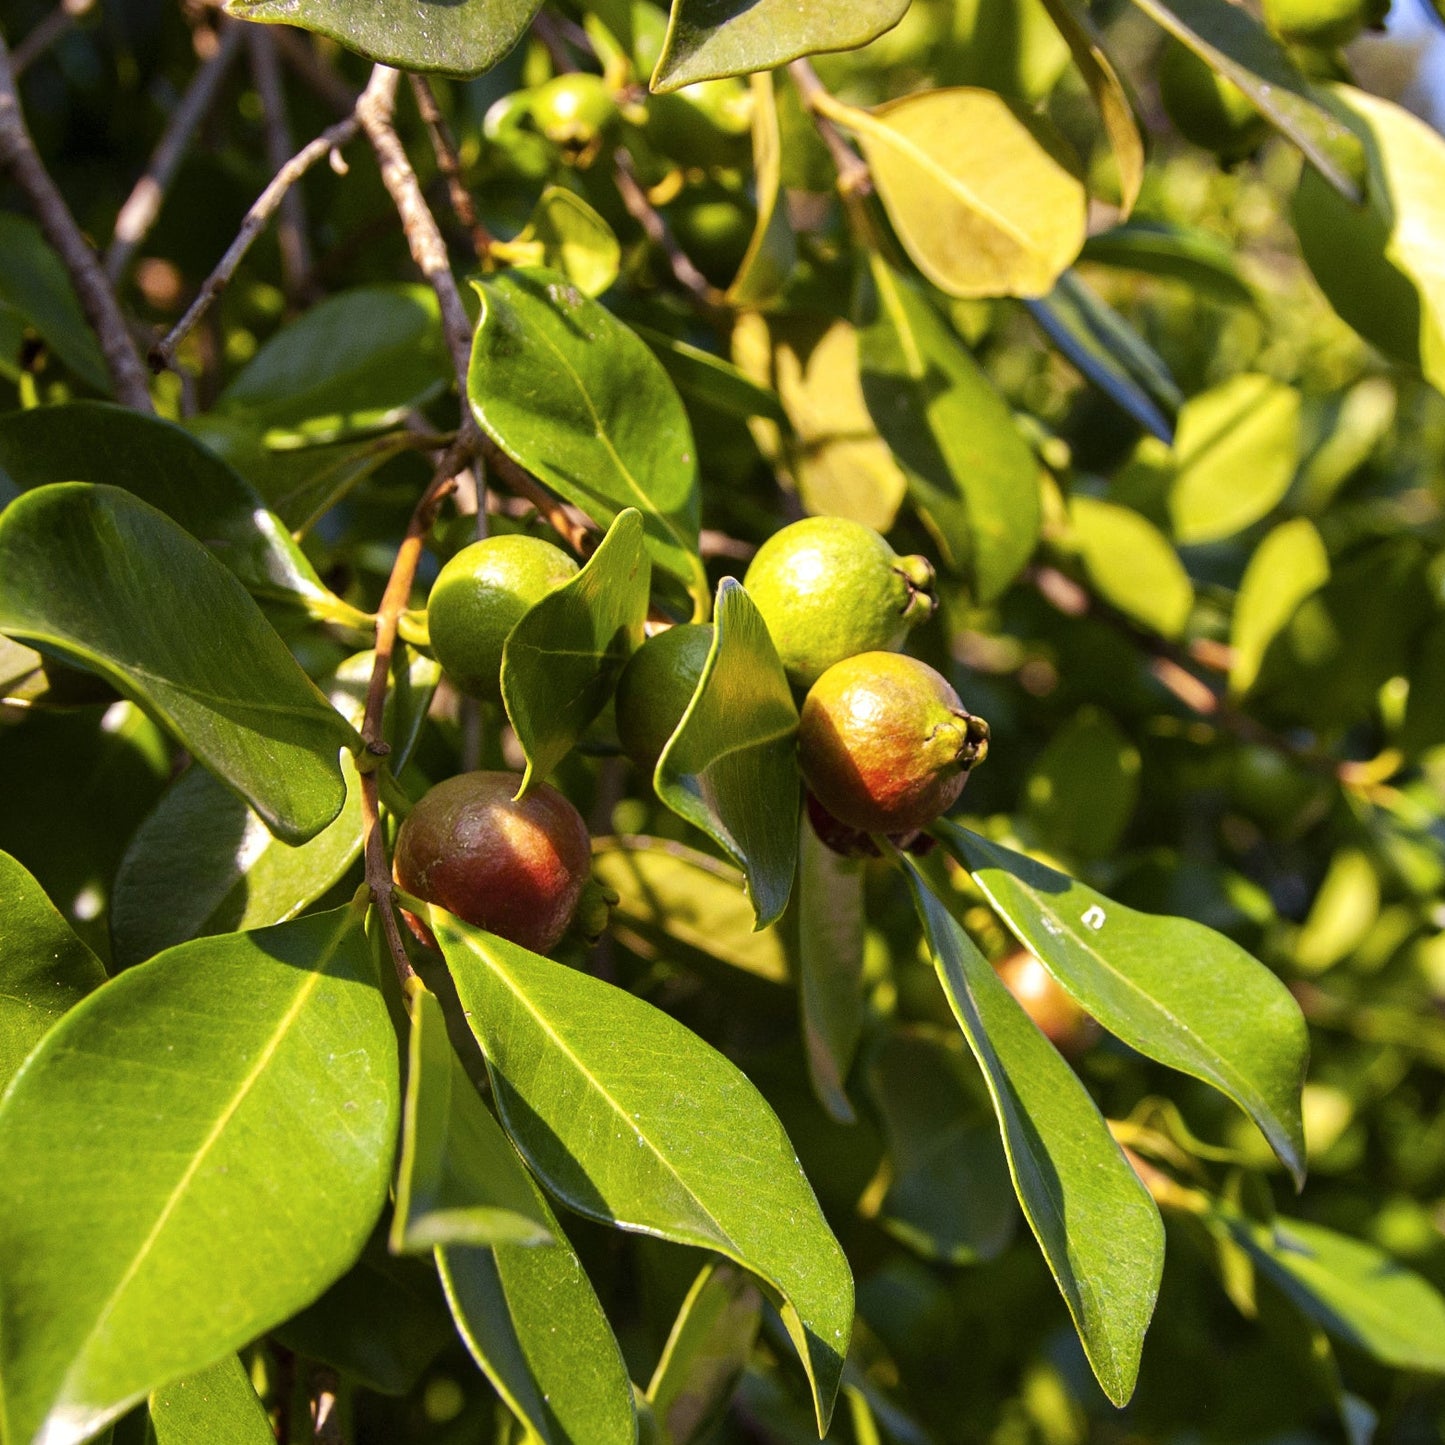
x,y
246,1087
1231,41
684,1147
673,899
1080,794
1379,264
44,968
91,441
202,862
1169,987
230,692
710,379
613,434
458,1181
1358,1293
773,248
561,661
971,474
707,39
705,1354
729,768
1287,566
1194,258
949,1196
1132,565
217,1406
566,235
984,193
456,37
33,280
830,967
1093,1219
1235,453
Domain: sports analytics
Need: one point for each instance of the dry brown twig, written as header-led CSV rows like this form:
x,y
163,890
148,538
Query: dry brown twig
x,y
291,220
46,33
444,146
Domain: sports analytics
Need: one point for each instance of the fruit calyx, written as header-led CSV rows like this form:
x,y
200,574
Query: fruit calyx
x,y
919,578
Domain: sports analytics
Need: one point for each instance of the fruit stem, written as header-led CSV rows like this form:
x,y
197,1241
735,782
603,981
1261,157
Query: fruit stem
x,y
974,747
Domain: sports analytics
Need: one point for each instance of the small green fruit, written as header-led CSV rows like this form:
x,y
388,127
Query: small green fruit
x,y
885,744
575,111
829,588
655,688
480,596
516,869
1205,107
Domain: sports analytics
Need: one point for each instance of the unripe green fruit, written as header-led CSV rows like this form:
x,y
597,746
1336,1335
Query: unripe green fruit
x,y
829,588
1205,107
480,596
516,869
885,744
574,111
655,688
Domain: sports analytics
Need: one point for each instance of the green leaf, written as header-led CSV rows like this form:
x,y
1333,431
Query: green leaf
x,y
195,1151
566,235
44,968
1194,258
202,862
729,768
672,898
1131,564
456,37
33,280
685,1147
613,433
92,441
1095,1222
217,1406
1343,912
773,248
561,661
1357,1292
1080,794
971,474
1379,264
830,967
705,1354
985,194
710,379
1169,987
1235,454
459,1181
708,39
1231,41
950,1196
1288,565
109,582
1364,417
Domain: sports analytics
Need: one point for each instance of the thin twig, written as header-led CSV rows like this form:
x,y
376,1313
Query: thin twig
x,y
327,143
291,221
296,50
97,298
46,33
143,205
450,165
655,227
854,177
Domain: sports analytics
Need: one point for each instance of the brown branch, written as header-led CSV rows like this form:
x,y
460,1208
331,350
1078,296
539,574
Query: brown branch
x,y
263,208
656,229
46,33
291,221
97,299
854,177
449,163
143,205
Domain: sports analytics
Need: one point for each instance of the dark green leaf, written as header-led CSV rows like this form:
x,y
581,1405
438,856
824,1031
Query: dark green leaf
x,y
613,433
1230,40
93,441
705,1354
34,281
971,475
708,378
456,37
111,583
1080,794
44,968
729,768
196,1151
1169,987
1094,1220
217,1407
950,1196
458,1180
562,659
684,1147
1194,258
711,38
830,967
